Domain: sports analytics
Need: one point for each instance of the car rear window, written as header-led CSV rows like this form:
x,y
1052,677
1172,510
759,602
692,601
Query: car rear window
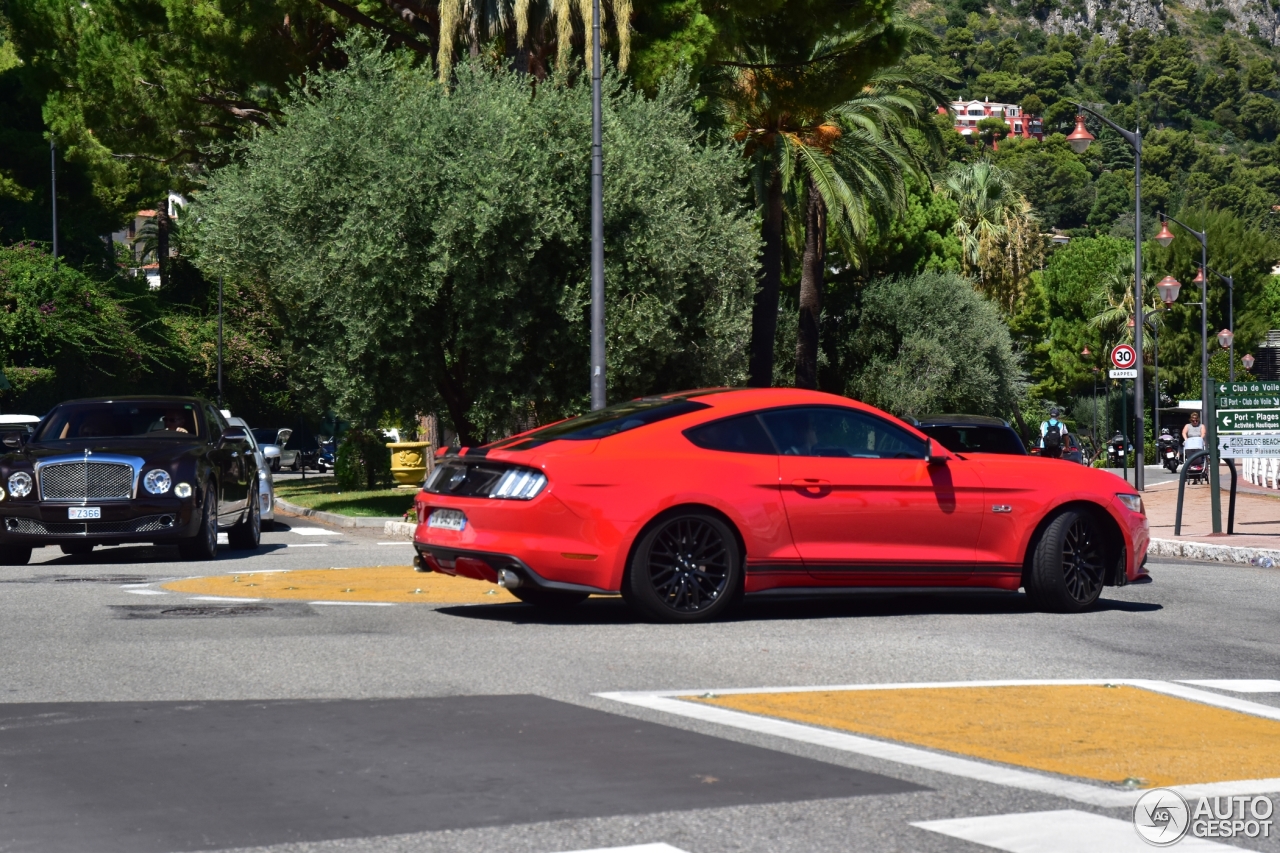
x,y
603,423
966,438
742,434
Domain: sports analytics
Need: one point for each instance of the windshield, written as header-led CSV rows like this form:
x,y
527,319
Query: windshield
x,y
964,438
265,436
120,420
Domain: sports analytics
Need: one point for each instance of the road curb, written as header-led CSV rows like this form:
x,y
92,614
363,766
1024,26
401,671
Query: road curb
x,y
399,529
1210,553
332,517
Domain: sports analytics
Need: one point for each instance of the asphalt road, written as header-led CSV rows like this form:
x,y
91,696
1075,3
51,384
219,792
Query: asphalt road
x,y
142,720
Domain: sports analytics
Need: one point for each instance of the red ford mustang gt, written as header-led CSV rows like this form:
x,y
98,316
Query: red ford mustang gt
x,y
685,502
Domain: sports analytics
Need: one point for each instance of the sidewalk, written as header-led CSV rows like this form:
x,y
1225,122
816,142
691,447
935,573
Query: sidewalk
x,y
1257,523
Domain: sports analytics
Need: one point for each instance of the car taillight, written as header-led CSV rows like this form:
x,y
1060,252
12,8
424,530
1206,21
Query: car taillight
x,y
519,484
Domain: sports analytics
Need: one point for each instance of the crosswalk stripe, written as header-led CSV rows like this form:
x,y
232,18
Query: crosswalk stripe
x,y
1065,831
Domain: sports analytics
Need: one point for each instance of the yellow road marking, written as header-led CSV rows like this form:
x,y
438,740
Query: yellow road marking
x,y
376,583
1108,734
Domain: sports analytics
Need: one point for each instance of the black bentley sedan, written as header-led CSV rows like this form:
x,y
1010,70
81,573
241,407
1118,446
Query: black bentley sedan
x,y
167,470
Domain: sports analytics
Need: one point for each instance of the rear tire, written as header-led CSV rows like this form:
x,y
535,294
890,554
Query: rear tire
x,y
1068,567
549,599
204,545
77,549
247,533
686,568
15,555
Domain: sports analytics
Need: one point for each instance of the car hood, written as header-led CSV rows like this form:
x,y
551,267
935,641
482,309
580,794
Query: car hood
x,y
149,449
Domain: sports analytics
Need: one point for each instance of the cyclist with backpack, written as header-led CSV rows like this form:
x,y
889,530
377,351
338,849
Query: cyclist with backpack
x,y
1053,435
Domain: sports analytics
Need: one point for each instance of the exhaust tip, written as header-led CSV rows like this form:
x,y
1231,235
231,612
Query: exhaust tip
x,y
419,564
508,579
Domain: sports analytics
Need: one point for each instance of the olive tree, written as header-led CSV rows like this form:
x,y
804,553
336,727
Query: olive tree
x,y
429,246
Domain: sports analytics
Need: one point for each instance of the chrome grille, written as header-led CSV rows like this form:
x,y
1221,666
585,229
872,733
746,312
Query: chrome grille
x,y
82,481
35,527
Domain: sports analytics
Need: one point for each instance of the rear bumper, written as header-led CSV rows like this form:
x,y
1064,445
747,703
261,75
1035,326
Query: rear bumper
x,y
486,566
143,520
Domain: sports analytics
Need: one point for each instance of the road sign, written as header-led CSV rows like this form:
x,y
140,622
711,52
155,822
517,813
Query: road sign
x,y
1254,401
1246,389
1129,373
1257,445
1242,420
1124,356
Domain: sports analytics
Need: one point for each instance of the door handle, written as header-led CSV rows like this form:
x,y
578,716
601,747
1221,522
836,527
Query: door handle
x,y
812,486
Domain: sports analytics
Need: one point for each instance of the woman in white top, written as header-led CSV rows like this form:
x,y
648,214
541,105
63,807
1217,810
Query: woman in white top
x,y
1193,434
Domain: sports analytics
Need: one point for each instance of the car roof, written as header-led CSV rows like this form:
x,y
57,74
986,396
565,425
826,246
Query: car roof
x,y
138,398
19,419
960,420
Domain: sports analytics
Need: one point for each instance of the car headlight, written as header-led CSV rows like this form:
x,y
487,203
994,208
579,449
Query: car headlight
x,y
1133,502
1,494
182,490
20,484
157,482
520,484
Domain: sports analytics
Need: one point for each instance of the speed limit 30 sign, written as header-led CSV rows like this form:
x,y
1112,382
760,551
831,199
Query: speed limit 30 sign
x,y
1123,356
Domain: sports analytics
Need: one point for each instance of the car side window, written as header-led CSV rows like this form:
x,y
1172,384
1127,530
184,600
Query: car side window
x,y
741,434
837,432
216,424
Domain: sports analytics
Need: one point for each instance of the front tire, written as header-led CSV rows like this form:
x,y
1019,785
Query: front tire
x,y
1068,567
15,555
204,545
247,533
686,568
549,599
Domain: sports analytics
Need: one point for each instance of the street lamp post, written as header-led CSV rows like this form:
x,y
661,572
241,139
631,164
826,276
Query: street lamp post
x,y
597,221
219,342
53,196
1079,140
1165,238
1168,289
1230,346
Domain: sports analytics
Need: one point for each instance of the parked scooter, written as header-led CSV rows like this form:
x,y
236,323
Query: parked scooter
x,y
1167,448
1116,451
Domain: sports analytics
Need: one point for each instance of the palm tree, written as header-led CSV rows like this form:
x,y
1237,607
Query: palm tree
x,y
823,127
1113,300
999,233
531,20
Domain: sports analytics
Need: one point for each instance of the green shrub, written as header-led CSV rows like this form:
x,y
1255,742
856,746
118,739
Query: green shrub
x,y
362,461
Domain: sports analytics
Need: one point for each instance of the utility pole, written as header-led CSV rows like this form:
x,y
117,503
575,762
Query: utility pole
x,y
219,342
597,221
53,195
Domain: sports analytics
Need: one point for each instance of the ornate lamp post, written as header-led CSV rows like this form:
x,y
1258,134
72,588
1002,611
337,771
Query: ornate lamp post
x,y
598,385
1165,238
1079,140
1247,361
1231,322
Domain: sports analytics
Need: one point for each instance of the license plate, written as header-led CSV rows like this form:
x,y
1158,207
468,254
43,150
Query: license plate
x,y
447,519
81,512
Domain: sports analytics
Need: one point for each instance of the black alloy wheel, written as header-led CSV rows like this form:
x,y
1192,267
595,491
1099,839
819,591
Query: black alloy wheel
x,y
1069,567
14,555
686,568
247,532
204,545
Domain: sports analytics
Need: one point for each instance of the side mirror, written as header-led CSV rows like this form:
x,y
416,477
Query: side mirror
x,y
234,433
938,455
14,440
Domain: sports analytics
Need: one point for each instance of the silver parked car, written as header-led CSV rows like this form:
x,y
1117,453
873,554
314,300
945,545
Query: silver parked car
x,y
268,442
266,485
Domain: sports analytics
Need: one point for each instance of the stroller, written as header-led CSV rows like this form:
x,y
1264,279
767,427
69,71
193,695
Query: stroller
x,y
1197,470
